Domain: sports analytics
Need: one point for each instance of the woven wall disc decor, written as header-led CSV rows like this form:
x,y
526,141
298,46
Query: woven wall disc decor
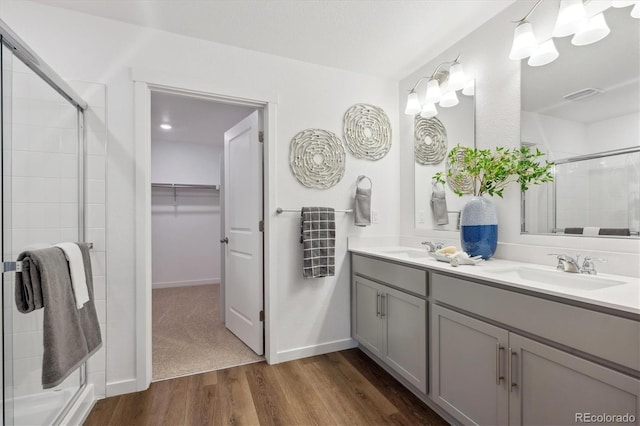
x,y
430,140
458,180
367,131
317,158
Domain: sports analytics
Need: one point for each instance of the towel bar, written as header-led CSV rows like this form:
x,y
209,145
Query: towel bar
x,y
17,265
280,210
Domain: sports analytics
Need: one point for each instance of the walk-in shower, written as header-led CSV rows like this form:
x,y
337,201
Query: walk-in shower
x,y
42,204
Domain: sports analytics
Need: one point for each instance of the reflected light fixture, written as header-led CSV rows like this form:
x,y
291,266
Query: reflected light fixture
x,y
570,18
166,126
585,21
441,88
592,30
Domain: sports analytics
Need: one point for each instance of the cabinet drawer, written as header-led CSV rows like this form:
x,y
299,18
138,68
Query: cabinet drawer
x,y
402,277
606,336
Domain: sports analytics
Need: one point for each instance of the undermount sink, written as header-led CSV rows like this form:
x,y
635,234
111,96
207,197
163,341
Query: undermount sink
x,y
558,278
413,253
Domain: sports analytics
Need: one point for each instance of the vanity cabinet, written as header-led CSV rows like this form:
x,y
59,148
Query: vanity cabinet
x,y
485,374
390,322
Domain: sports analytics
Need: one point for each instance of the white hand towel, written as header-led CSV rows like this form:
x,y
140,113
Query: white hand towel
x,y
76,267
591,231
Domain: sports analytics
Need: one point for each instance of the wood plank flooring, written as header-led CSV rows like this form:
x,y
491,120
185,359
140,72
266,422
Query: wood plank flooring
x,y
341,388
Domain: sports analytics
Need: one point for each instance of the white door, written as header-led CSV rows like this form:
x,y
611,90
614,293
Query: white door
x,y
243,213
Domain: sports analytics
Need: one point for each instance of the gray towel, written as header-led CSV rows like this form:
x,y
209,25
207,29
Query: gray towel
x,y
439,206
318,238
362,214
71,335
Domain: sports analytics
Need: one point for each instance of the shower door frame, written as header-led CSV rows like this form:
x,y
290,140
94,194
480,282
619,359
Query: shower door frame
x,y
24,53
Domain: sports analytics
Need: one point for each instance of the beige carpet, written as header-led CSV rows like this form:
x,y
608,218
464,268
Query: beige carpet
x,y
188,336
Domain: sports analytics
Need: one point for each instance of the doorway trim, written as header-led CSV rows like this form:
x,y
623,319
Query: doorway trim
x,y
144,83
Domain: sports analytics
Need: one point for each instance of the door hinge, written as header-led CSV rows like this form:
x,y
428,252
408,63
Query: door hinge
x,y
260,136
261,315
261,226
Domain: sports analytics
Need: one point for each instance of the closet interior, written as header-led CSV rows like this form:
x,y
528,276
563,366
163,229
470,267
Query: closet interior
x,y
187,161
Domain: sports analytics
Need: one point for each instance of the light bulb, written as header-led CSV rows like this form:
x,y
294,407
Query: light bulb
x,y
413,104
469,88
593,30
428,110
449,99
524,41
165,126
545,54
570,18
433,92
635,12
456,77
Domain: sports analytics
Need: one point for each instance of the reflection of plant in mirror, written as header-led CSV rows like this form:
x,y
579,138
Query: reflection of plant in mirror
x,y
493,170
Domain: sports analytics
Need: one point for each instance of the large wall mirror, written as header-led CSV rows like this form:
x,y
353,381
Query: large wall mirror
x,y
583,111
433,139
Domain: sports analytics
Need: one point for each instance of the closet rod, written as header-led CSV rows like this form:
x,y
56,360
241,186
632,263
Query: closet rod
x,y
280,210
184,185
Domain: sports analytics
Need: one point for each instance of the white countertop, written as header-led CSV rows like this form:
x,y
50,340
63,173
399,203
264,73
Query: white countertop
x,y
623,296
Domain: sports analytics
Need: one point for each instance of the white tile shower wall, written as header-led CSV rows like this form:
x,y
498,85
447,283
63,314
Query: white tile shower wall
x,y
39,192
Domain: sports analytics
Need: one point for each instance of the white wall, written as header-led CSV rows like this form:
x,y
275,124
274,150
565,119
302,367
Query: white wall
x,y
311,315
485,54
557,137
614,133
183,162
185,236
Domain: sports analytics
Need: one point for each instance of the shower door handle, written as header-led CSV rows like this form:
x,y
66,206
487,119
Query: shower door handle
x,y
226,240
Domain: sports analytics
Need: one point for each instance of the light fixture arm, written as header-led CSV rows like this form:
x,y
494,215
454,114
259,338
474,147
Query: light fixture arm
x,y
529,13
433,75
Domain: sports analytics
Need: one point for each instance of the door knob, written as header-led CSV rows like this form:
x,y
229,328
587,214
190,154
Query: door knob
x,y
226,240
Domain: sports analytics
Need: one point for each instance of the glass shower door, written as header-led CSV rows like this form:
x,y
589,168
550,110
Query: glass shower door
x,y
41,205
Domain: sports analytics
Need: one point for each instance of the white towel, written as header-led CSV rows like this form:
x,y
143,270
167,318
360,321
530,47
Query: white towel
x,y
76,267
591,231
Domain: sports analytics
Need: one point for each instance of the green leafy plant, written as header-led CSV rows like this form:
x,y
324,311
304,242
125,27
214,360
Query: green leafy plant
x,y
492,170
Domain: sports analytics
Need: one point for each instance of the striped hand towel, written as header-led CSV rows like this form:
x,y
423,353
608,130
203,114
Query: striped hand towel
x,y
318,241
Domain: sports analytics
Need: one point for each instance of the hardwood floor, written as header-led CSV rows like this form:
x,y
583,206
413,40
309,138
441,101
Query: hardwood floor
x,y
342,388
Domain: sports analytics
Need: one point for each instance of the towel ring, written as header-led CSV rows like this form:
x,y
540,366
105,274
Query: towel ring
x,y
361,178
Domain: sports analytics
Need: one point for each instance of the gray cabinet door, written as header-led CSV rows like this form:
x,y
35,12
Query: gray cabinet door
x,y
367,319
469,368
405,336
552,387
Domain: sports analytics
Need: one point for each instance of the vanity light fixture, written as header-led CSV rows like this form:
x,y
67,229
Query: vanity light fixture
x,y
441,88
585,21
166,126
594,29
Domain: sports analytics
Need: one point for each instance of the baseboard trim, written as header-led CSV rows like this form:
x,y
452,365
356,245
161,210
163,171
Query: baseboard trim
x,y
190,283
122,387
307,351
81,407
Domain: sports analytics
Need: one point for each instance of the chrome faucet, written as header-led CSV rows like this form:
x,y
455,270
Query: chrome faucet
x,y
432,247
588,267
567,263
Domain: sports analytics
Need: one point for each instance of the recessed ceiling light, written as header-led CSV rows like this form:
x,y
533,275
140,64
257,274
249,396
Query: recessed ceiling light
x,y
165,126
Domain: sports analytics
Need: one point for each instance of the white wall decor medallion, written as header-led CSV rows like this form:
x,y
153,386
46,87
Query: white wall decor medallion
x,y
430,140
459,180
367,131
317,158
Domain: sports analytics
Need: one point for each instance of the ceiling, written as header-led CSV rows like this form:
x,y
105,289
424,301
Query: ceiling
x,y
388,38
193,120
611,64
